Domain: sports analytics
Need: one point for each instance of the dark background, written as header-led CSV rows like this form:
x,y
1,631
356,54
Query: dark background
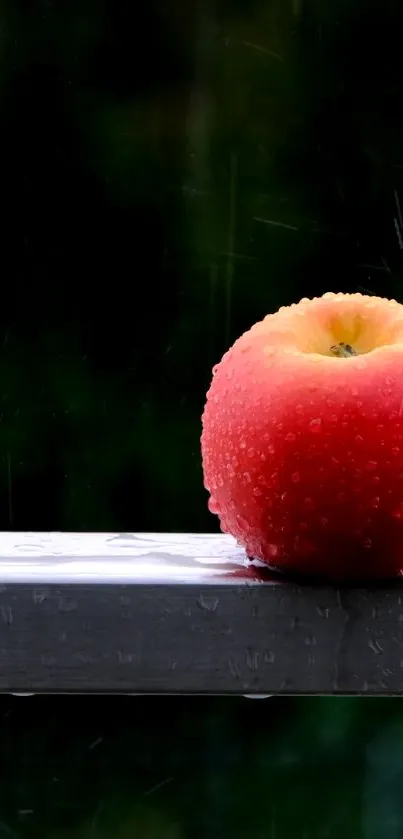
x,y
171,171
200,768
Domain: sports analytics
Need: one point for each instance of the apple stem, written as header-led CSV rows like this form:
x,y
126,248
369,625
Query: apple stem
x,y
342,350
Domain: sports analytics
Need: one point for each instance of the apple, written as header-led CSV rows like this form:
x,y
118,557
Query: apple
x,y
302,440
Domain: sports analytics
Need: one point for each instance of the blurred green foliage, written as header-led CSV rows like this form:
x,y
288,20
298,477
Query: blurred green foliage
x,y
174,767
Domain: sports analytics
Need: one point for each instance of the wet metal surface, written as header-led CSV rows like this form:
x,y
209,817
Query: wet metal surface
x,y
180,613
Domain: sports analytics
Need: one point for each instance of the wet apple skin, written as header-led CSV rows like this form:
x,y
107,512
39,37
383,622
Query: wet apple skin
x,y
303,455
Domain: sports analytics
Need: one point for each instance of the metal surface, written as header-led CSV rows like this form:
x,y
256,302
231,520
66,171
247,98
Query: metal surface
x,y
158,613
161,558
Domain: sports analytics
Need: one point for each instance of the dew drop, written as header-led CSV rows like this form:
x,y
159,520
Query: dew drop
x,y
371,465
375,502
246,477
358,439
216,399
257,492
334,418
284,496
230,470
250,453
220,480
290,437
324,521
299,409
242,444
315,426
213,506
367,543
271,449
303,545
242,522
397,513
395,450
309,504
295,477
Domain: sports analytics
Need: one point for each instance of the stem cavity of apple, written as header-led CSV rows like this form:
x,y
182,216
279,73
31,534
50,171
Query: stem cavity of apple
x,y
342,350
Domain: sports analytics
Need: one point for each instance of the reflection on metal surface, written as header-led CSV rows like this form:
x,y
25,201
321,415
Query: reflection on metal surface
x,y
125,558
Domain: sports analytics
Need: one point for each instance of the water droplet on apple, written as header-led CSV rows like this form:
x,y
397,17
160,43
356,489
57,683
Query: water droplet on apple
x,y
284,496
315,425
242,444
367,543
299,409
375,502
395,450
213,506
274,479
250,453
242,522
257,492
358,439
334,418
295,477
371,465
309,504
397,513
246,477
230,470
324,521
341,496
220,480
271,449
303,545
290,437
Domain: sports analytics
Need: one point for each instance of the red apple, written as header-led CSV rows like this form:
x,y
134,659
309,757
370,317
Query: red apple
x,y
302,440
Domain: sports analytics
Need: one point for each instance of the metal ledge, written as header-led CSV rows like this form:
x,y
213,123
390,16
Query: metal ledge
x,y
180,613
